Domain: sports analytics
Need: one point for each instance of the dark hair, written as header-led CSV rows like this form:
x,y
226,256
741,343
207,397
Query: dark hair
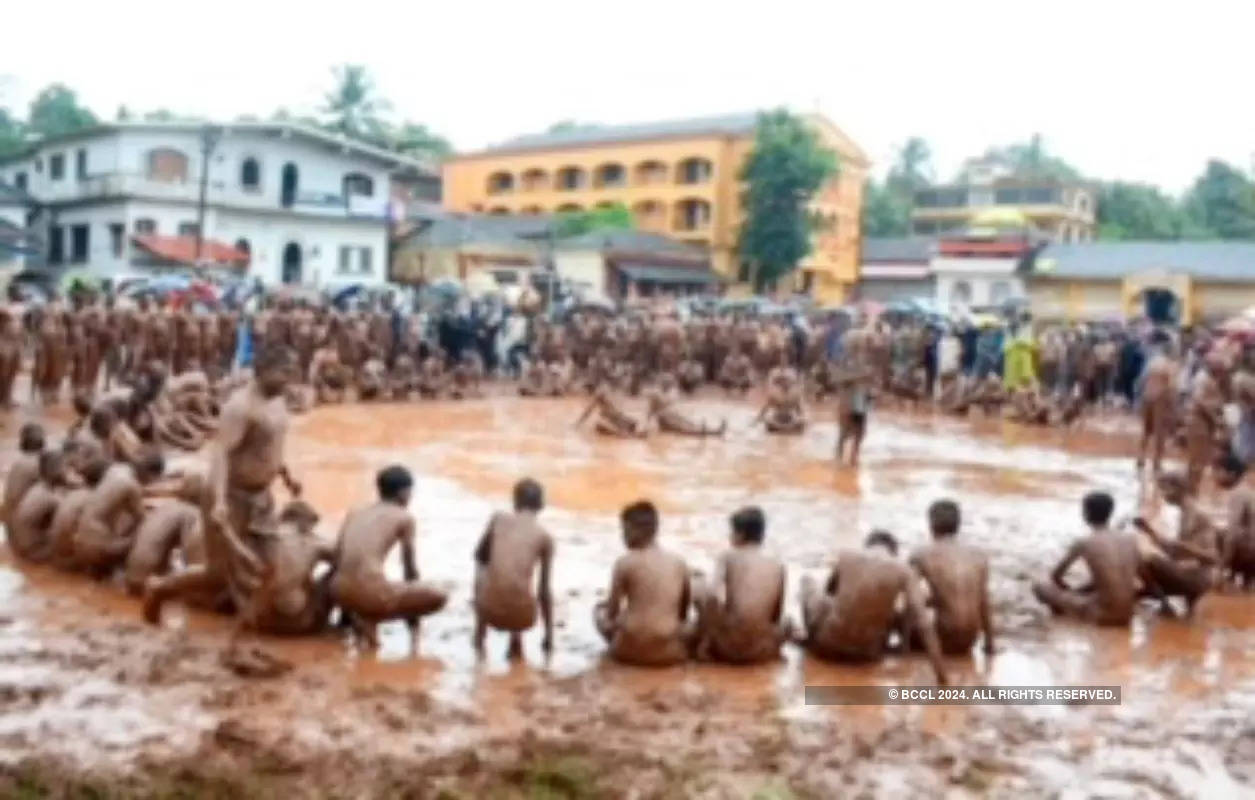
x,y
393,480
944,517
31,438
82,403
641,516
750,524
1097,508
1229,462
151,461
50,460
102,419
94,470
528,495
884,539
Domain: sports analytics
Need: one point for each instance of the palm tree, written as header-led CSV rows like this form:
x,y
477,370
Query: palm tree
x,y
353,106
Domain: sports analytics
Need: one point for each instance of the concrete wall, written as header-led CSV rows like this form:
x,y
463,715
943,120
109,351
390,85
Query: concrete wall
x,y
585,268
1076,300
886,290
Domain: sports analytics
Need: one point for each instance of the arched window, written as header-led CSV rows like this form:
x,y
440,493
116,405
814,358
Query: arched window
x,y
570,208
289,184
244,247
649,215
250,175
571,178
610,176
359,185
961,293
500,183
532,210
692,214
499,211
167,164
651,173
695,170
535,180
145,226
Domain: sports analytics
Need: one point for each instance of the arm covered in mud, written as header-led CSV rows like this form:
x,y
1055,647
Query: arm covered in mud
x,y
232,427
927,634
544,593
1061,569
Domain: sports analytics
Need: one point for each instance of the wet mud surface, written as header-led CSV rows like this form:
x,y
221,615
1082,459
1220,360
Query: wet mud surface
x,y
87,691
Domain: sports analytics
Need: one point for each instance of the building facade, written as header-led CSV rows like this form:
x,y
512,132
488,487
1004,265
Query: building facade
x,y
287,203
1062,211
678,178
896,269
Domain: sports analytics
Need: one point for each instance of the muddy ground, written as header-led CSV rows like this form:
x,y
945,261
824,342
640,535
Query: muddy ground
x,y
93,703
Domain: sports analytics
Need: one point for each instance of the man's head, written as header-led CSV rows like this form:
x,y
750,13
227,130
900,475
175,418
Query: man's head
x,y
1097,508
1229,470
528,496
94,470
82,403
30,439
944,518
395,483
102,421
640,524
149,465
52,467
272,370
1174,488
749,526
882,538
300,514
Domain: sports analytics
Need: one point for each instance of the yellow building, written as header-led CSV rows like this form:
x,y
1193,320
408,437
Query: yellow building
x,y
678,178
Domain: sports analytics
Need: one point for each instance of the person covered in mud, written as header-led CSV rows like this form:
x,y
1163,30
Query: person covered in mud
x,y
1158,406
24,471
246,457
372,380
292,599
174,522
854,400
1238,537
60,552
403,379
852,616
360,586
29,527
432,380
957,577
783,411
662,407
1204,417
534,379
645,617
737,373
11,339
112,513
1114,562
1187,566
328,375
612,420
466,376
691,375
515,552
740,614
561,377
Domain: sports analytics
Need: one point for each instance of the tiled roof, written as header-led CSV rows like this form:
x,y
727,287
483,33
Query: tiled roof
x,y
1219,261
598,134
901,250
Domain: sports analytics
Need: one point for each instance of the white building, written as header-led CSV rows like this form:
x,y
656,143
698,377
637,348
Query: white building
x,y
964,283
293,204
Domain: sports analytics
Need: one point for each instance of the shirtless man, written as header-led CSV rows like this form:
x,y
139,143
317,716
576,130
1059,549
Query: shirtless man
x,y
112,514
291,600
404,377
28,528
854,396
1204,416
432,380
1187,566
612,420
173,523
360,586
328,376
644,619
372,380
957,576
514,550
662,407
1238,558
691,375
245,458
1158,407
737,373
534,379
11,339
1114,564
466,376
24,471
783,412
60,551
852,616
740,614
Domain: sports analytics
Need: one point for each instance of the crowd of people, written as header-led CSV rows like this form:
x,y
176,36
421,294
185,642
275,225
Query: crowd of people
x,y
147,378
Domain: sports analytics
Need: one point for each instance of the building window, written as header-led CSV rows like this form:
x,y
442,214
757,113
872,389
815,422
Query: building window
x,y
359,185
188,228
500,183
56,167
499,211
649,215
1082,202
80,164
145,226
650,173
569,208
364,264
535,180
250,175
56,245
610,176
532,210
117,241
695,170
345,264
39,165
692,214
79,243
1041,196
19,180
166,164
570,179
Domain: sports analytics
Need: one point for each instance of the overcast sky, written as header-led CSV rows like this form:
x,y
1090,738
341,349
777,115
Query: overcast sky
x,y
1122,89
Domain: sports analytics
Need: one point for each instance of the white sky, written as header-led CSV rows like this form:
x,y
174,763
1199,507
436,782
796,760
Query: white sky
x,y
1123,89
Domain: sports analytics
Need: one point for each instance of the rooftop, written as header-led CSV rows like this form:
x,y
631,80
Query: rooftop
x,y
1219,261
10,195
900,250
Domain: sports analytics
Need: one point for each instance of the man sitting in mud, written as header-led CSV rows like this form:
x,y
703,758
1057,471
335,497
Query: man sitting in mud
x,y
28,528
173,523
740,613
403,379
783,411
612,420
534,379
1238,558
24,471
513,552
691,375
1114,564
852,616
1027,407
60,549
957,577
328,375
662,407
112,514
360,586
190,394
432,380
644,618
466,376
1185,567
291,599
372,380
737,374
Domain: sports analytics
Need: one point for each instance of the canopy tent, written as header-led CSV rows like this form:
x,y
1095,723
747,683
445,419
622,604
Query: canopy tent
x,y
181,251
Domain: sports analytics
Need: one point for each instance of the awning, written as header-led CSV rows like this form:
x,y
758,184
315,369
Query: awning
x,y
668,275
182,250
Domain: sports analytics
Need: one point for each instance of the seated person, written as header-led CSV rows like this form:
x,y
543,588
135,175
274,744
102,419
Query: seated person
x,y
691,376
1238,559
783,411
737,373
29,527
739,615
1185,567
24,471
328,375
466,377
360,585
612,420
291,600
662,406
65,521
172,523
404,378
957,576
534,379
852,616
432,380
372,380
513,552
112,514
1114,565
644,619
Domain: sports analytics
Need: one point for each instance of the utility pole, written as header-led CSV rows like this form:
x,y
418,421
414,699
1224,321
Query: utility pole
x,y
209,136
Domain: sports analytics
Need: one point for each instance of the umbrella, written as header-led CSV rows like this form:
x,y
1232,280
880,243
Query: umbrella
x,y
165,284
348,292
445,288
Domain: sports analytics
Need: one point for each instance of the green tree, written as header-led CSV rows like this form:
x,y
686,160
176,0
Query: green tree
x,y
412,139
885,212
1222,201
12,136
577,223
912,169
782,173
1134,211
353,105
1030,159
55,111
